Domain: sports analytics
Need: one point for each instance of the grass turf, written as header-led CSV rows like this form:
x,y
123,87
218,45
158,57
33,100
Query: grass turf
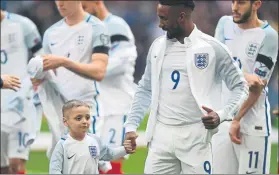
x,y
38,162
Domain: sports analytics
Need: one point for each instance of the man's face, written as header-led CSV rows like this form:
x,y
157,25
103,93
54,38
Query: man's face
x,y
241,10
77,119
168,21
90,7
66,8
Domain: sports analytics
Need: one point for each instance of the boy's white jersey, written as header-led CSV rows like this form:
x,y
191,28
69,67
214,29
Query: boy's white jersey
x,y
18,35
76,43
71,156
118,87
255,50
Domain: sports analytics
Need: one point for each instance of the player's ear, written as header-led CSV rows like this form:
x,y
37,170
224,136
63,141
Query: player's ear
x,y
257,4
65,121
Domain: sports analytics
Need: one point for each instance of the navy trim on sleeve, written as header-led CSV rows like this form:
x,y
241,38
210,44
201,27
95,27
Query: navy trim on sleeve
x,y
114,38
267,61
101,49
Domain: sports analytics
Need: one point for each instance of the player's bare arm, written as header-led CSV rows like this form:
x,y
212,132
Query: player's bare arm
x,y
256,85
94,70
254,82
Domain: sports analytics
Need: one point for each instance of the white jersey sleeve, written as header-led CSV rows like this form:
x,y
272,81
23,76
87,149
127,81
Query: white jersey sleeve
x,y
267,55
142,98
123,51
109,153
56,161
31,35
100,34
219,31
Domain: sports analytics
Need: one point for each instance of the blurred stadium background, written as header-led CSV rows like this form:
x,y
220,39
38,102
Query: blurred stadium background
x,y
141,16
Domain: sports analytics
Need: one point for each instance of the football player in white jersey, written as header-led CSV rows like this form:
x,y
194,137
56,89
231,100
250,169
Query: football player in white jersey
x,y
184,72
77,48
254,45
19,35
79,152
119,81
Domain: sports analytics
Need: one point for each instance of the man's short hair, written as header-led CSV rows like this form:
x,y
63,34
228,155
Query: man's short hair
x,y
73,104
185,3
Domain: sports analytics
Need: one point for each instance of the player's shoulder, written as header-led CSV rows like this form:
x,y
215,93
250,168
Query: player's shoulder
x,y
270,33
116,21
215,44
54,26
159,40
94,138
225,22
63,138
22,20
94,21
117,26
226,18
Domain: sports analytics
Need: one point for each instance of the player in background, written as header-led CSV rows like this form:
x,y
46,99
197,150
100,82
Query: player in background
x,y
77,48
119,81
254,45
79,152
19,35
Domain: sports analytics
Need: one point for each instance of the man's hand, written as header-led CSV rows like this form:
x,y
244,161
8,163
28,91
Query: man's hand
x,y
211,120
235,132
36,82
254,81
52,62
128,147
132,136
10,82
275,112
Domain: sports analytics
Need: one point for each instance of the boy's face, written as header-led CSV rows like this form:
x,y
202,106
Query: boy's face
x,y
77,119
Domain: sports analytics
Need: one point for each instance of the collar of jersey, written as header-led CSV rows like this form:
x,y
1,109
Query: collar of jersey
x,y
85,19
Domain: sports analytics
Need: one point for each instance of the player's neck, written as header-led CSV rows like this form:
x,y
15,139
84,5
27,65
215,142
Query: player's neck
x,y
187,32
103,13
251,23
75,18
78,136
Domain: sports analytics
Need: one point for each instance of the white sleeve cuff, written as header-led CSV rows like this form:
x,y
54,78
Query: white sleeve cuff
x,y
222,115
130,129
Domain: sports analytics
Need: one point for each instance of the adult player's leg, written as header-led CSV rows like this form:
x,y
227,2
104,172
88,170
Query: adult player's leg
x,y
18,150
161,157
4,153
113,134
224,157
254,154
191,148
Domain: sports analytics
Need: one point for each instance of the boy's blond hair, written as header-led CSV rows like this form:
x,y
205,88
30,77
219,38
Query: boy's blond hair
x,y
73,104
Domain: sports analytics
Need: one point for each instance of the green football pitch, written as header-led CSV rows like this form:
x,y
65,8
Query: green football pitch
x,y
38,162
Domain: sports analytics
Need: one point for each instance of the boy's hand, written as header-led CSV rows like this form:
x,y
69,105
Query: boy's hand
x,y
128,147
